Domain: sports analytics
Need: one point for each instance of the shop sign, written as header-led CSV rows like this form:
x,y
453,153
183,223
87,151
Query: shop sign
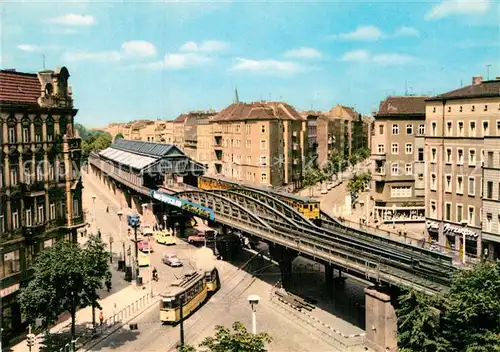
x,y
451,230
4,292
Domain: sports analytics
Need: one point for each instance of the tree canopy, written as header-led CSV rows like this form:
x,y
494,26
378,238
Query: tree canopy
x,y
93,140
467,319
66,276
238,340
357,184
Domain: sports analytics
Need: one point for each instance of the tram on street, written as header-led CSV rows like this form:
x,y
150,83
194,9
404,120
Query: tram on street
x,y
187,293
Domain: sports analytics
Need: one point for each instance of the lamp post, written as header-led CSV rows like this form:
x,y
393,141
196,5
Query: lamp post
x,y
464,224
94,197
120,214
111,249
164,222
254,301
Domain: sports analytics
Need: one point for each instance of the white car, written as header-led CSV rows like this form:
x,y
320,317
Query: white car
x,y
172,260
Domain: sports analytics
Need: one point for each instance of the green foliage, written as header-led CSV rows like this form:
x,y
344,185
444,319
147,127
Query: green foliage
x,y
119,135
357,183
66,277
93,140
469,319
238,340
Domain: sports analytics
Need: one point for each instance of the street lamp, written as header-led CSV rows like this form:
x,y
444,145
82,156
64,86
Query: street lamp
x,y
94,197
254,301
120,214
464,224
164,222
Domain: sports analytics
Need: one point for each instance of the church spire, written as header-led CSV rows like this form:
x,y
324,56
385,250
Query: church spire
x,y
236,98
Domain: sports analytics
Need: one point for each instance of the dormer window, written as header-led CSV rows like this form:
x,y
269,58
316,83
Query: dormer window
x,y
49,89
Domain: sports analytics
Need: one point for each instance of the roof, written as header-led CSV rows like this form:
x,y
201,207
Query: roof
x,y
402,105
19,87
258,111
133,160
181,118
146,148
485,89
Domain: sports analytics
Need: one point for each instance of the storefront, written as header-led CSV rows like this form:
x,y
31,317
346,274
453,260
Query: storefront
x,y
454,236
399,214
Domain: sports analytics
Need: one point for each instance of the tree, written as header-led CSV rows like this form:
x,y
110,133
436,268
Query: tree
x,y
358,183
238,340
119,135
66,277
467,319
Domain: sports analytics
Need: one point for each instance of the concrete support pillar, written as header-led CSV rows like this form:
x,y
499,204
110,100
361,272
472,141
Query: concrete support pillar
x,y
381,321
329,275
284,257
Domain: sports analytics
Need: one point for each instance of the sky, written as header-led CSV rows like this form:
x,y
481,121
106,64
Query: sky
x,y
154,60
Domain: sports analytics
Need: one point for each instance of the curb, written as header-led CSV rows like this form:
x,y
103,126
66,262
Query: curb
x,y
320,322
118,326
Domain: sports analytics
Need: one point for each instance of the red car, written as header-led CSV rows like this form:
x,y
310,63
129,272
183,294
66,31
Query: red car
x,y
145,246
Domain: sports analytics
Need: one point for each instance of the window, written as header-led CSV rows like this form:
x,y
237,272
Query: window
x,y
26,135
490,159
460,128
486,108
460,156
50,129
420,177
448,185
486,128
40,215
247,129
421,129
15,219
460,212
461,108
420,154
12,135
472,157
434,128
237,128
28,217
409,169
39,172
473,108
52,211
381,149
433,181
262,144
395,148
263,160
263,129
14,175
248,143
395,169
433,155
381,130
433,209
472,129
38,130
27,173
11,263
434,109
401,191
449,129
395,129
472,185
447,211
409,148
460,184
448,156
263,178
409,129
76,206
489,222
449,108
51,172
471,214
2,223
249,160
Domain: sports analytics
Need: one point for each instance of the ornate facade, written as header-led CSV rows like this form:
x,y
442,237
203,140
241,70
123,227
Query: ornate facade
x,y
40,187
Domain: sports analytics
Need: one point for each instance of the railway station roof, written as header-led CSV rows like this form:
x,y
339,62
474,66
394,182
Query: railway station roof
x,y
149,156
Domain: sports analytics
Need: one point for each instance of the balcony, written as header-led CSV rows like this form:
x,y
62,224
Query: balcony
x,y
73,144
34,229
33,189
379,174
379,156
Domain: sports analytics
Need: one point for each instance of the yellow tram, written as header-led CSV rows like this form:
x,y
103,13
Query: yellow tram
x,y
308,207
194,289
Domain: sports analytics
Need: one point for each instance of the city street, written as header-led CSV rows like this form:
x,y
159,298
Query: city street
x,y
228,305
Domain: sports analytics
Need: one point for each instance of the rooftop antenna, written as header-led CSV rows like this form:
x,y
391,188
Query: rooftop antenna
x,y
43,61
406,87
461,83
488,71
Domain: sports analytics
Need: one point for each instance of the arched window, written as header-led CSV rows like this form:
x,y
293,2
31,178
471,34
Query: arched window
x,y
49,89
38,129
26,133
50,129
63,126
12,130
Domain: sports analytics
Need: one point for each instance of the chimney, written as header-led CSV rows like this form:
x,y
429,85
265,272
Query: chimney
x,y
477,80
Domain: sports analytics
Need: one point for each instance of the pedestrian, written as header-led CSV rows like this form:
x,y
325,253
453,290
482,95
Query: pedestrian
x,y
101,317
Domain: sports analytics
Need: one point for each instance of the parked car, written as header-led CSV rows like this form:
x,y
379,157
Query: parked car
x,y
145,246
143,260
197,237
171,260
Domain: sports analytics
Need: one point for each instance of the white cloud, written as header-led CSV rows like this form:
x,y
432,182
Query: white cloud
x,y
175,61
138,49
32,48
457,7
268,67
100,56
405,31
208,46
304,53
378,59
363,33
72,19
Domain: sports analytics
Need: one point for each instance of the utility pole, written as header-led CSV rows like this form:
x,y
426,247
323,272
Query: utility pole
x,y
182,319
488,71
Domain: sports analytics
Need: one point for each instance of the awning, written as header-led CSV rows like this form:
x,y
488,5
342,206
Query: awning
x,y
134,161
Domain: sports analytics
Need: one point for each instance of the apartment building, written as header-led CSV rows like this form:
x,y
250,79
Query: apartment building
x,y
164,132
320,137
260,143
462,131
139,130
40,188
205,153
397,157
352,131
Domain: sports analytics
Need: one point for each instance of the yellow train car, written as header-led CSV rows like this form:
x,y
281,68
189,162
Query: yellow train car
x,y
190,292
308,207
